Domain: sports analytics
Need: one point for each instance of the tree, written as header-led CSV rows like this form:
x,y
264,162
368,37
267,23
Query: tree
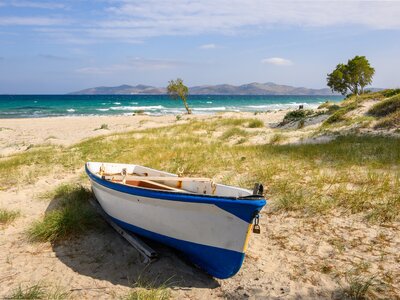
x,y
176,89
351,77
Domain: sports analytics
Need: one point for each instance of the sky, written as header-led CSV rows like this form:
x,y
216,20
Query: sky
x,y
56,47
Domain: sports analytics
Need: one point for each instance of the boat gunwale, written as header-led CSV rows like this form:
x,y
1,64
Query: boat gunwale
x,y
173,195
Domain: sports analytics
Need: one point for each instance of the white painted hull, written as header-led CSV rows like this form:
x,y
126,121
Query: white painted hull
x,y
205,228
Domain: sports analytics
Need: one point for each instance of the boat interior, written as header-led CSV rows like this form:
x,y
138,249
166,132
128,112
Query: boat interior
x,y
139,176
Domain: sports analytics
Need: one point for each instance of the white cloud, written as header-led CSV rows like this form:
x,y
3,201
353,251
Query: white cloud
x,y
277,61
35,4
137,63
132,21
186,17
30,21
208,46
53,57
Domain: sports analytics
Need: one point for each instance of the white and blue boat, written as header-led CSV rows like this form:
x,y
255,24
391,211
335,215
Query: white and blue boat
x,y
210,223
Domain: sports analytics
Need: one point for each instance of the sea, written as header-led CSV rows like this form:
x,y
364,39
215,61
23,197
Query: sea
x,y
39,106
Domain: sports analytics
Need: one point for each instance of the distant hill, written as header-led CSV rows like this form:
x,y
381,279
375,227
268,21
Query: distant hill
x,y
254,88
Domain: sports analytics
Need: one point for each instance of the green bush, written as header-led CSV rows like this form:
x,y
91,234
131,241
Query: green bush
x,y
385,107
390,92
296,115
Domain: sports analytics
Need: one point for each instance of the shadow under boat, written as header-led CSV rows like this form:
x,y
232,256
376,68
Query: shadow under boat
x,y
103,254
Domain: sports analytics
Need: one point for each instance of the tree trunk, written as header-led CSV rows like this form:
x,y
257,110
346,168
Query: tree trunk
x,y
189,111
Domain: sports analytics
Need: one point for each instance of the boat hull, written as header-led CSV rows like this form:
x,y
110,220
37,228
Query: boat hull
x,y
211,231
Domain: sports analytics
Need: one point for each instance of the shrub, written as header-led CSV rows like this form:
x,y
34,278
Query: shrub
x,y
385,107
296,115
390,92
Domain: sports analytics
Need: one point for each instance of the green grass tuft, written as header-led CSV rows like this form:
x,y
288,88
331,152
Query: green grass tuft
x,y
7,216
359,287
237,132
339,115
148,294
276,138
390,121
73,216
385,211
385,107
38,291
145,289
255,124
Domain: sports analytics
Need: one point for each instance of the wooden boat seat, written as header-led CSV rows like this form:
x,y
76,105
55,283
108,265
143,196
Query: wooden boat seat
x,y
149,184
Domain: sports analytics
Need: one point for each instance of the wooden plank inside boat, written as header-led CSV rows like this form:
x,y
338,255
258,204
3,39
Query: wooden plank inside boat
x,y
149,184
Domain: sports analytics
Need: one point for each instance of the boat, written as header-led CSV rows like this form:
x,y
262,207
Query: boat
x,y
209,222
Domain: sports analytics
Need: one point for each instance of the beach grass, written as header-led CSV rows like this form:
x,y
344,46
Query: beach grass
x,y
140,293
353,174
386,107
72,216
392,120
7,215
255,124
38,291
148,289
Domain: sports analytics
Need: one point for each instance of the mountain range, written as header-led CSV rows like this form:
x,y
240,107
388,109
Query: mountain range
x,y
254,88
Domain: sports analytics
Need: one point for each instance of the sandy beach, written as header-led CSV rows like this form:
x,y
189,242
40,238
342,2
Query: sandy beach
x,y
17,135
292,258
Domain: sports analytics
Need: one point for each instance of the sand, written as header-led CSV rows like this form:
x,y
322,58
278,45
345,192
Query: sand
x,y
283,262
18,135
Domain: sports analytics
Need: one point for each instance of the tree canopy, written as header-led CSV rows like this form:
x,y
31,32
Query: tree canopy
x,y
176,89
351,77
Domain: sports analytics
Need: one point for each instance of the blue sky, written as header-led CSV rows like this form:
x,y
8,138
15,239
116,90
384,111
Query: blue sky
x,y
63,46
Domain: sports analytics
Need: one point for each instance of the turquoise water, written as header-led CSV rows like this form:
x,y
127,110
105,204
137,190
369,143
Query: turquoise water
x,y
28,106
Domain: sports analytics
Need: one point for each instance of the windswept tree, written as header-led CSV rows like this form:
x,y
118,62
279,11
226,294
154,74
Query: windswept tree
x,y
352,77
176,89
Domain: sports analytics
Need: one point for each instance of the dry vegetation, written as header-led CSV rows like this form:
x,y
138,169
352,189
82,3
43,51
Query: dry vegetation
x,y
332,193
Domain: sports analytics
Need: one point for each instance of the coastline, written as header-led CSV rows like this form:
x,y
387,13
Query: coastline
x,y
19,134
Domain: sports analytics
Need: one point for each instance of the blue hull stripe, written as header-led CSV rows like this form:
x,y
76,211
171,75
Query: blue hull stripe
x,y
243,209
218,262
